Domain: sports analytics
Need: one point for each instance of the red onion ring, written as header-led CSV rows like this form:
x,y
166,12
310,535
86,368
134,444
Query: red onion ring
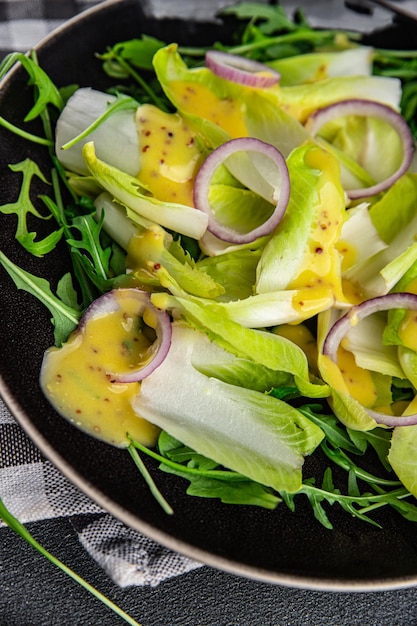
x,y
110,303
206,172
241,70
401,300
367,108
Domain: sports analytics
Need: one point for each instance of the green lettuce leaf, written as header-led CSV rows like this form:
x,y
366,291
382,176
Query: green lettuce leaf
x,y
395,220
235,271
257,311
299,101
315,66
270,123
219,420
365,341
395,211
128,191
302,250
402,456
265,348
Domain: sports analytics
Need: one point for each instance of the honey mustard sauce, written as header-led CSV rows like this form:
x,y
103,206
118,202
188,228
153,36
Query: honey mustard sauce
x,y
78,382
227,112
170,154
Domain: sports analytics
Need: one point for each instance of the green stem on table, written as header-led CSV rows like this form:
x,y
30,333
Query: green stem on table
x,y
22,531
149,480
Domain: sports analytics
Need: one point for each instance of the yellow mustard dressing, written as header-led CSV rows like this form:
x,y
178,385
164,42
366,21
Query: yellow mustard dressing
x,y
310,301
303,338
78,382
322,260
198,99
352,292
169,155
347,377
358,380
348,253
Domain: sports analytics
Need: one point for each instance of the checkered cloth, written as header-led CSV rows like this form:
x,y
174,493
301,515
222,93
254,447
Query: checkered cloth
x,y
24,23
30,486
33,489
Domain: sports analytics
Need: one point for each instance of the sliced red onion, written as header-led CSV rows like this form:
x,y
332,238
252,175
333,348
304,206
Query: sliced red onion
x,y
241,70
278,191
157,319
403,300
368,108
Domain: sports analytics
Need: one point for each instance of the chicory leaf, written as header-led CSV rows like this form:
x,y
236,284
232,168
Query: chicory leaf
x,y
394,218
243,372
402,456
225,102
365,341
127,190
302,250
264,348
315,66
65,318
148,244
154,246
349,410
234,270
219,420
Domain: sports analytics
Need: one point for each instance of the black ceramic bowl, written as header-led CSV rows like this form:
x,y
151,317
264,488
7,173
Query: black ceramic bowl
x,y
280,546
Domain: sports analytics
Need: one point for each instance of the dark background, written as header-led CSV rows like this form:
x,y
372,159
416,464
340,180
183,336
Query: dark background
x,y
35,593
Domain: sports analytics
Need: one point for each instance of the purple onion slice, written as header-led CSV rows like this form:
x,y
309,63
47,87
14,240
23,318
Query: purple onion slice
x,y
136,301
241,70
271,184
368,108
340,328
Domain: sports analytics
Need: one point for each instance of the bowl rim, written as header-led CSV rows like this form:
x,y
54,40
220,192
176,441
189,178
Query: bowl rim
x,y
201,556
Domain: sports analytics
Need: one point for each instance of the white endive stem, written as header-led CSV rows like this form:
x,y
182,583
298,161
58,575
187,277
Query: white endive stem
x,y
116,140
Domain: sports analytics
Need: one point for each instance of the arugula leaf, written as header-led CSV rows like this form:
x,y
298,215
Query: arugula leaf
x,y
122,60
204,483
378,438
340,458
139,52
149,480
64,318
24,206
335,432
24,134
47,92
66,292
235,492
356,504
90,229
269,19
206,478
173,449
